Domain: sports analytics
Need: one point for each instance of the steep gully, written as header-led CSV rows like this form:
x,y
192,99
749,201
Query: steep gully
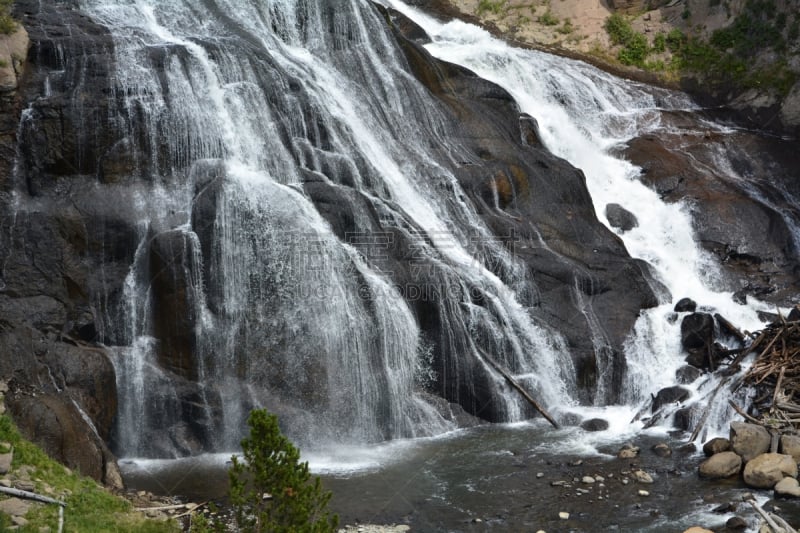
x,y
216,206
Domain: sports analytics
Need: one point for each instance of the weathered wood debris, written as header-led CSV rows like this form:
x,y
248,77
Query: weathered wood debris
x,y
775,375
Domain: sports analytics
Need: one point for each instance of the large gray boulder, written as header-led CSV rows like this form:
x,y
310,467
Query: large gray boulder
x,y
790,445
766,470
749,440
721,465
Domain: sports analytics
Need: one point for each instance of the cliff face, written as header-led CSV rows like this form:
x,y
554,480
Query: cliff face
x,y
62,385
76,225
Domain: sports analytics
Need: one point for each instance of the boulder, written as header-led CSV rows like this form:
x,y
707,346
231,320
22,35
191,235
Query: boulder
x,y
662,449
594,424
628,451
721,465
766,470
788,487
641,476
697,331
621,218
687,374
675,394
736,523
685,305
794,314
749,440
15,507
698,529
716,445
790,445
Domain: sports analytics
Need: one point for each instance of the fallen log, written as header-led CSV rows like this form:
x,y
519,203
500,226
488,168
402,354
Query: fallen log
x,y
515,384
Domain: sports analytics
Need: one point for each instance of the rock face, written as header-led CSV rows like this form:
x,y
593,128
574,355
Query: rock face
x,y
766,470
749,440
721,465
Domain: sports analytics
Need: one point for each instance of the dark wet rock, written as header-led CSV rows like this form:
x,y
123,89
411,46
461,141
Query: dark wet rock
x,y
794,314
175,273
767,469
721,465
729,507
749,440
685,305
716,445
767,317
594,424
740,297
621,218
687,374
675,394
529,130
62,432
685,418
736,523
697,331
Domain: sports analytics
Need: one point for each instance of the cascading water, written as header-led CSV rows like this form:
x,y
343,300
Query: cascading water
x,y
584,115
242,293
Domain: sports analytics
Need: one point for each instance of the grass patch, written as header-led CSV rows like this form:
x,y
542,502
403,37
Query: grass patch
x,y
491,6
89,506
548,19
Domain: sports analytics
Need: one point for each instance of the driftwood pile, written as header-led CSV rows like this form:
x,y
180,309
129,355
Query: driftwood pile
x,y
775,375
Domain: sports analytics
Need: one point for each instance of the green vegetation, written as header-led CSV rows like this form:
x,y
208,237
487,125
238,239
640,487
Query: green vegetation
x,y
7,24
271,466
566,28
635,47
548,19
728,57
491,6
89,506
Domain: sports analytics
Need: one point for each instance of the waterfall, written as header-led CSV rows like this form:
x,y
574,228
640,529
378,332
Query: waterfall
x,y
243,120
584,115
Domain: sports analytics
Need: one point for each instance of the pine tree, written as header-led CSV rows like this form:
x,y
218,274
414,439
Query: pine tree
x,y
271,490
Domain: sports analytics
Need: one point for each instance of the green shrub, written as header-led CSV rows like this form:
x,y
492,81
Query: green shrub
x,y
618,28
659,43
566,28
635,50
492,6
675,40
548,19
272,466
